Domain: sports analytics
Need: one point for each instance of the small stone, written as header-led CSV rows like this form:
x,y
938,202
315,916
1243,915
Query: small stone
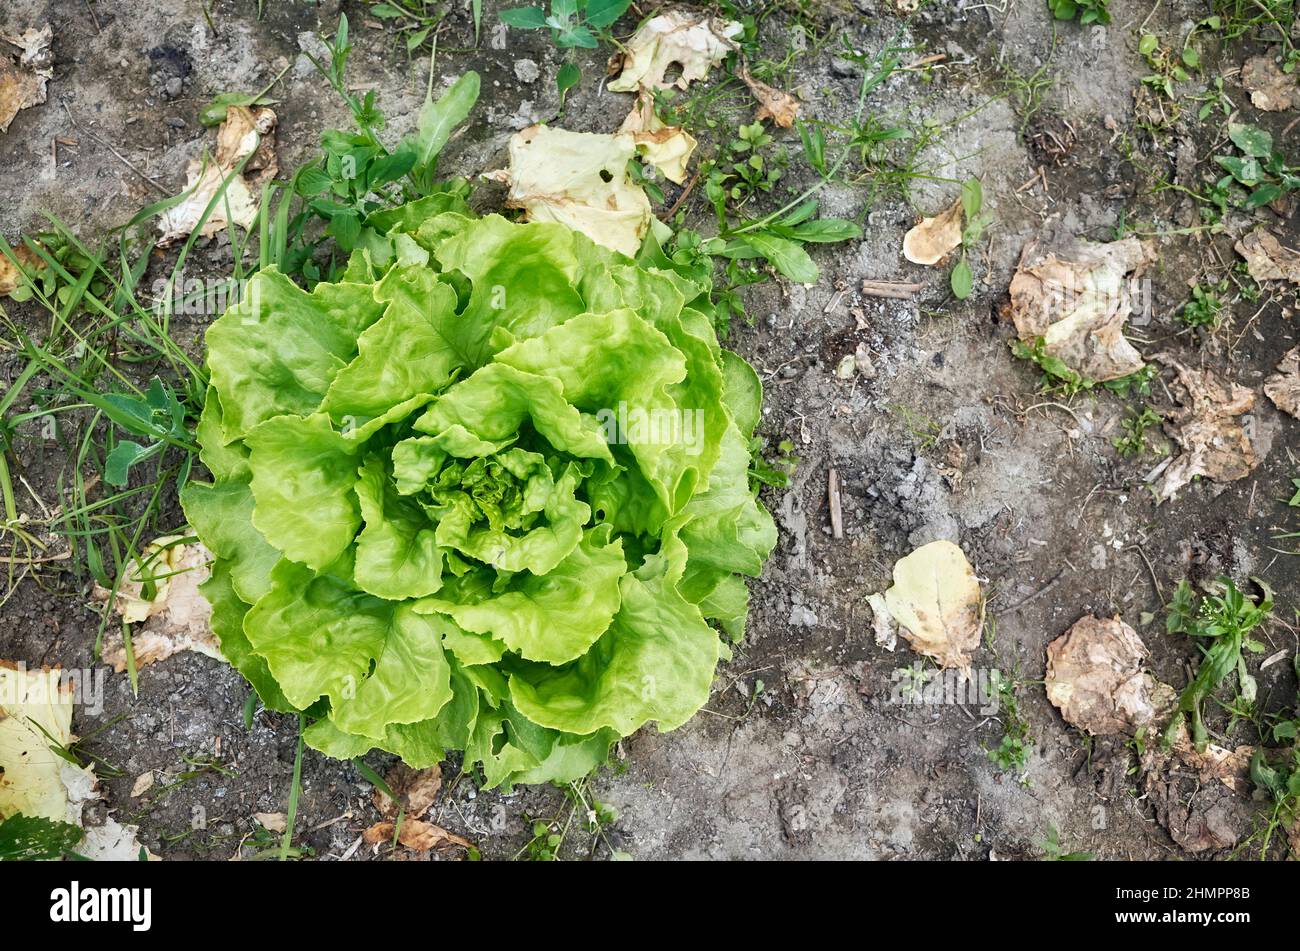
x,y
176,122
173,87
526,71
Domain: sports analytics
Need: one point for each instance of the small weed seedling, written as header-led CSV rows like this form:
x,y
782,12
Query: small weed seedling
x,y
1054,852
962,278
1223,620
574,24
1135,426
1202,311
1260,171
1012,753
1085,11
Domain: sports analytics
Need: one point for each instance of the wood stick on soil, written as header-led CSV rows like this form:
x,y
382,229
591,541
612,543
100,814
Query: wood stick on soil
x,y
898,290
833,497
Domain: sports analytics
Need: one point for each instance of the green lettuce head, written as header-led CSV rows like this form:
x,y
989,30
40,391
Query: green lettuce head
x,y
489,492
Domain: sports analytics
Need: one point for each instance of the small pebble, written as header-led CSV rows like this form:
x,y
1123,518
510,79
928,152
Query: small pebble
x,y
173,87
526,71
176,122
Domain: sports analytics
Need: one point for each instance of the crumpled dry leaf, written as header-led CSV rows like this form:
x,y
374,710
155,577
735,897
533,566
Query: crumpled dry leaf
x,y
930,240
177,618
1267,259
415,789
578,179
694,42
1208,429
666,147
1270,89
882,623
272,821
10,278
775,104
417,835
35,713
1075,296
23,84
1201,798
247,132
143,783
936,600
1097,678
1283,387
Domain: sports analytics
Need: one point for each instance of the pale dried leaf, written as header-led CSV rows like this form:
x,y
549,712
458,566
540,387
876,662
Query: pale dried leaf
x,y
1283,387
578,179
666,147
1208,428
23,84
177,618
143,783
416,790
936,600
1076,296
1267,259
1097,678
10,277
1270,89
417,835
883,627
272,821
114,842
775,104
929,241
692,42
31,774
246,133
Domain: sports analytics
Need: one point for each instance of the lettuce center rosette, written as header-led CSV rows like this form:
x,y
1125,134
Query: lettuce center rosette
x,y
488,492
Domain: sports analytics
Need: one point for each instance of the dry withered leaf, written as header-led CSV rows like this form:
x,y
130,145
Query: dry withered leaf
x,y
666,147
417,835
1283,386
1270,89
692,42
775,104
10,278
272,821
578,179
1201,798
1074,294
936,600
930,240
1208,428
23,83
143,783
177,618
1267,259
415,789
246,133
1097,678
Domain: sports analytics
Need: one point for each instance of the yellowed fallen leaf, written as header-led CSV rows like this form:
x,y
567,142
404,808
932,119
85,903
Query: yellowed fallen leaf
x,y
10,277
775,104
177,618
246,133
416,835
929,241
272,821
692,43
1208,428
1076,296
1097,678
1267,259
143,783
36,714
666,147
936,601
1283,387
415,791
578,179
31,774
23,83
